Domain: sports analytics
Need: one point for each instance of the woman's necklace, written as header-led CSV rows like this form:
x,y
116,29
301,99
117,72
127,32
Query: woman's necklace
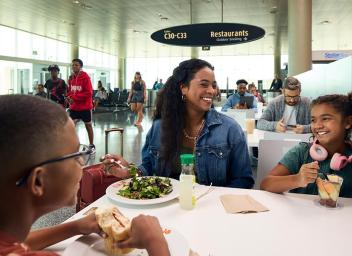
x,y
195,138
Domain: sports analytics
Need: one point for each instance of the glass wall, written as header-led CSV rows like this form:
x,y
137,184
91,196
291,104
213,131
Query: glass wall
x,y
228,69
15,77
100,67
37,52
152,69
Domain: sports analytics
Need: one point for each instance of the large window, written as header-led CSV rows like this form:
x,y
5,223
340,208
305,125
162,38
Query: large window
x,y
26,45
151,69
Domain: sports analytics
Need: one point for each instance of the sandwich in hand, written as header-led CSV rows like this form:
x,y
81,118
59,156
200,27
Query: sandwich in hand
x,y
116,226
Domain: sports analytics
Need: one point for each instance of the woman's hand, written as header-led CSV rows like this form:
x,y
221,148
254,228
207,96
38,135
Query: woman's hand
x,y
116,165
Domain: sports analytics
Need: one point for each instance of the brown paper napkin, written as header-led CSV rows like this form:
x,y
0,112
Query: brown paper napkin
x,y
241,204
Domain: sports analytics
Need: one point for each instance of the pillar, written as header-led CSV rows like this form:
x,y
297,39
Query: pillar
x,y
299,36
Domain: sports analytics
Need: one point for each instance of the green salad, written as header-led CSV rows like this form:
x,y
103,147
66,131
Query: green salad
x,y
146,187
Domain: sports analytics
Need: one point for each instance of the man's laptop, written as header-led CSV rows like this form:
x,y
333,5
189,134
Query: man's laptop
x,y
248,100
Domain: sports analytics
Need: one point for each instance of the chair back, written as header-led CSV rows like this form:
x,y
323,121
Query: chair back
x,y
270,153
240,115
287,136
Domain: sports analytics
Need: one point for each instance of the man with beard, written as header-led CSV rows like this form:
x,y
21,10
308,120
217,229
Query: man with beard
x,y
234,101
289,111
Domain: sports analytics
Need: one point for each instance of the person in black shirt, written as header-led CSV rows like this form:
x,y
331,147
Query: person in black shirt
x,y
55,86
276,84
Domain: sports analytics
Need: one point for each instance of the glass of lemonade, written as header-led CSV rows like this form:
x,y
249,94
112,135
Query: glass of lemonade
x,y
329,190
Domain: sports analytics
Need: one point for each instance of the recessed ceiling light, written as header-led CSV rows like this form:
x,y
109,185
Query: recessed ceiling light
x,y
76,1
325,22
273,10
86,6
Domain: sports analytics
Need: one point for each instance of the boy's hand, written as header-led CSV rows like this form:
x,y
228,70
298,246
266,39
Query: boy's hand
x,y
307,174
146,233
88,225
116,165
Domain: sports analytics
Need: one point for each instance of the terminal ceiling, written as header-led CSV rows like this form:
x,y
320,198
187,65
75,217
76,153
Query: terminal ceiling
x,y
123,27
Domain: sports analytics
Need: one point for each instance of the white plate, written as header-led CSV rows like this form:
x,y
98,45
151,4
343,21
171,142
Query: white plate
x,y
114,188
93,245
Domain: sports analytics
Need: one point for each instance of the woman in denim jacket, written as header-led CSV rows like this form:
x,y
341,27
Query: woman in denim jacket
x,y
184,122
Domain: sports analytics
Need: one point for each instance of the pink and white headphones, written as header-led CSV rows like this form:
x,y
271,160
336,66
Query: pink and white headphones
x,y
319,153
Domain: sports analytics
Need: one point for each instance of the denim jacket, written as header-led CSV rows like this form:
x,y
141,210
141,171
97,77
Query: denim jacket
x,y
221,154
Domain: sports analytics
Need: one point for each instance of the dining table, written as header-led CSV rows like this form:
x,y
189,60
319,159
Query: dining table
x,y
294,224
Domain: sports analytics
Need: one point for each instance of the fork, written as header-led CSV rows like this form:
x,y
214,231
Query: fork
x,y
210,189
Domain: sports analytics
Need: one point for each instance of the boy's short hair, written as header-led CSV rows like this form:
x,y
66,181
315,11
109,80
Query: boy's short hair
x,y
79,61
30,127
241,81
292,83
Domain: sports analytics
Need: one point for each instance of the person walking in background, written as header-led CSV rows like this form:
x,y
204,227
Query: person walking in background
x,y
79,97
289,111
276,84
137,97
158,85
55,86
40,91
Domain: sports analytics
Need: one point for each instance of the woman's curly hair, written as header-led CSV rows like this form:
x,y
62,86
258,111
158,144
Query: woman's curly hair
x,y
171,110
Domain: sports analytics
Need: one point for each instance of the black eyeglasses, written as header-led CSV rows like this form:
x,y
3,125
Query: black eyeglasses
x,y
82,157
295,98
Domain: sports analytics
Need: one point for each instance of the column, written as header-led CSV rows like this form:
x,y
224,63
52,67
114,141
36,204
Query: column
x,y
194,52
121,72
75,51
277,58
299,36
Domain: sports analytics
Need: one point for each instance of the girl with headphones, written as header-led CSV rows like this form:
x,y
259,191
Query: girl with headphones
x,y
329,153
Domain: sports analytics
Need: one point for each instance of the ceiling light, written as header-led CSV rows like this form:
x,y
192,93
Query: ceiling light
x,y
76,1
86,6
273,10
325,22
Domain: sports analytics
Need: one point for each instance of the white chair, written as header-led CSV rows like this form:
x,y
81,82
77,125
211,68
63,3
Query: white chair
x,y
287,136
240,115
270,153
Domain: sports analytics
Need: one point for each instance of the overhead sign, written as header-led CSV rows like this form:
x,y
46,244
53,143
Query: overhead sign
x,y
210,34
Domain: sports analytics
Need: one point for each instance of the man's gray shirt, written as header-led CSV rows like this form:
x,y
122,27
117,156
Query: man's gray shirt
x,y
275,110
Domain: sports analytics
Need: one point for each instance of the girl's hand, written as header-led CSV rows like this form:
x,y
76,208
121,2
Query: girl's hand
x,y
307,174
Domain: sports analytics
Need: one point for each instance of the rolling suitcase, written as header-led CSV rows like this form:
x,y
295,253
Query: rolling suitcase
x,y
94,179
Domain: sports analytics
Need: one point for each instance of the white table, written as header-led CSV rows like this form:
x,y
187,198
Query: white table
x,y
254,138
295,225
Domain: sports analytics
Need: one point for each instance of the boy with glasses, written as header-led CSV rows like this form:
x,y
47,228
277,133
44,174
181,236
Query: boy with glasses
x,y
289,111
41,166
